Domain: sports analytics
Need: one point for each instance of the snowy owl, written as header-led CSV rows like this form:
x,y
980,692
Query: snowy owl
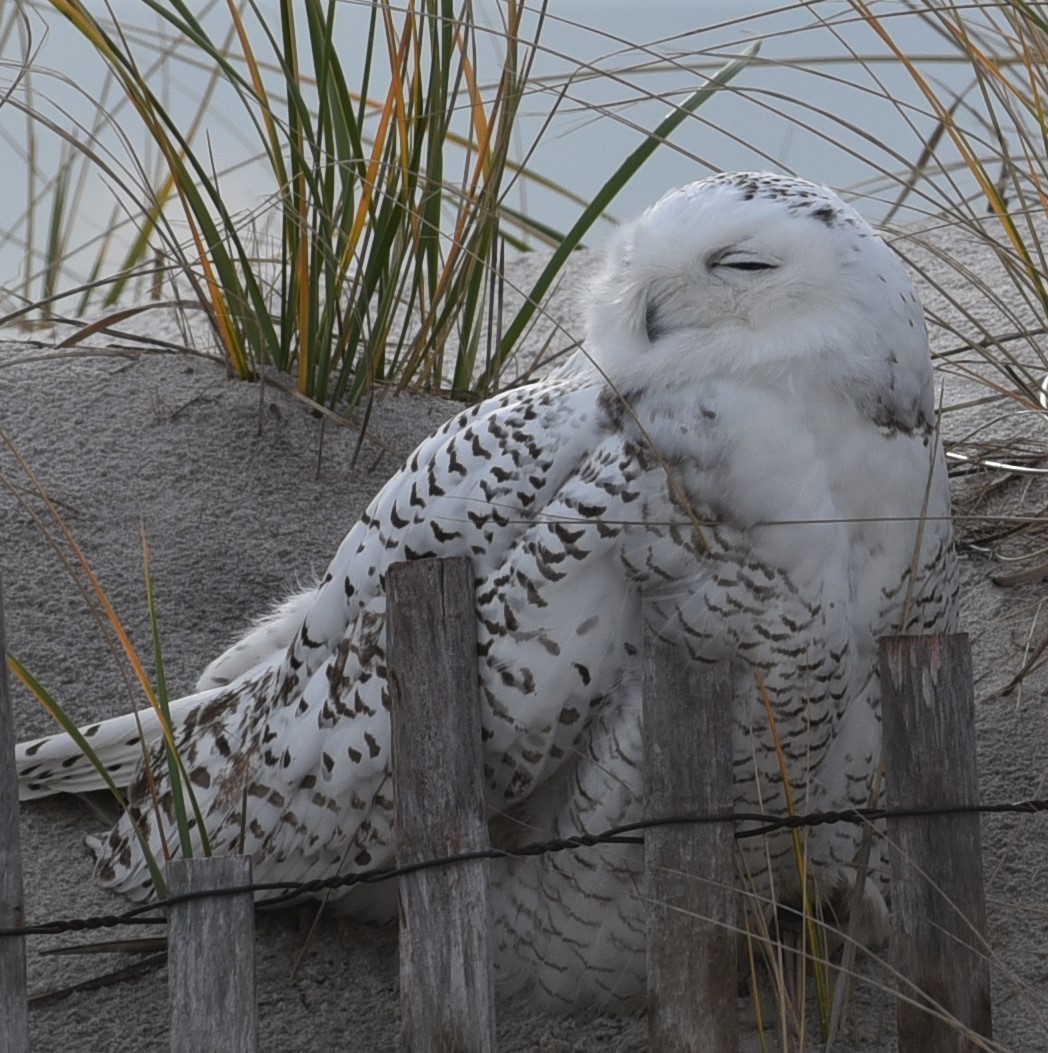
x,y
747,439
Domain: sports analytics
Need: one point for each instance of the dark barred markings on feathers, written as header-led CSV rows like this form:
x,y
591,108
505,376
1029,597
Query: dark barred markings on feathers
x,y
756,361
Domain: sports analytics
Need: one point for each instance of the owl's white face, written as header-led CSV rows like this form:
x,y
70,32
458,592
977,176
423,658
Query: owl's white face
x,y
766,278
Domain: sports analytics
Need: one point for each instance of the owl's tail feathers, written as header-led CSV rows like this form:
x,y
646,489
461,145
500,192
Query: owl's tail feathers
x,y
56,764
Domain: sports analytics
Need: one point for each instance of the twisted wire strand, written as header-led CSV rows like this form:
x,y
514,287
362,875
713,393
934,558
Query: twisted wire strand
x,y
286,891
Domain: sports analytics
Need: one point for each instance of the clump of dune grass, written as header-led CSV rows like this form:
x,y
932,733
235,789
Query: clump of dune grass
x,y
987,156
377,256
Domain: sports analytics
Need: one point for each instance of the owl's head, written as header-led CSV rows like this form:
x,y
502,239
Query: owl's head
x,y
770,279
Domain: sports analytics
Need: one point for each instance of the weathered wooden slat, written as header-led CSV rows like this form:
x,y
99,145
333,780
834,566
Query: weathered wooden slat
x,y
211,958
938,904
446,981
14,1033
693,918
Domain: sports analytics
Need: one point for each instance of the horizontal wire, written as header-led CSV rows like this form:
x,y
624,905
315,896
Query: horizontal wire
x,y
145,914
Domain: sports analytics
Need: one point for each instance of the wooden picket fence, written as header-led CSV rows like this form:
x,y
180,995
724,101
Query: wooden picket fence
x,y
447,1000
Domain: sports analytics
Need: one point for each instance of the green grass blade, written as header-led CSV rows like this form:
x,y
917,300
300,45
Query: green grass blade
x,y
175,768
69,727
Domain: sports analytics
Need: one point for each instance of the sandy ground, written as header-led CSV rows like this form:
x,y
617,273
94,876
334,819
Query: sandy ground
x,y
244,494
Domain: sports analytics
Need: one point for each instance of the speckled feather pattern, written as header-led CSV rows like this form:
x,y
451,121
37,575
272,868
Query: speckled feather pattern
x,y
747,440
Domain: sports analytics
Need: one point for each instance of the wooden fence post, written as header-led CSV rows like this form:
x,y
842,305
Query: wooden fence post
x,y
693,916
938,903
446,978
14,1024
211,957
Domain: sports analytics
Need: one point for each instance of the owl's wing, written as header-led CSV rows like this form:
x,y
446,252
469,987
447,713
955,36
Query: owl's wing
x,y
290,760
565,522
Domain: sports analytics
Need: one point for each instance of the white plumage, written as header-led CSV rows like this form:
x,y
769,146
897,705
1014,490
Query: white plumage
x,y
748,438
